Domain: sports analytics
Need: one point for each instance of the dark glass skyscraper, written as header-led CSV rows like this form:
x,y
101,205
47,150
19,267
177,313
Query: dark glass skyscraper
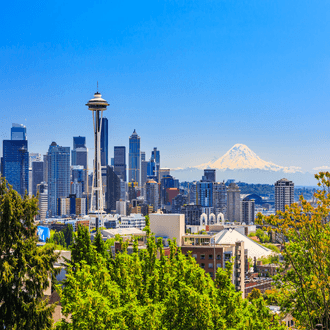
x,y
37,175
15,164
58,175
79,156
120,162
112,193
104,142
134,158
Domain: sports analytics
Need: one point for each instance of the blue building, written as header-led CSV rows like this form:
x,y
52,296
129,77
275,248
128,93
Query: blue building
x,y
58,175
134,158
104,143
204,193
15,164
18,132
166,182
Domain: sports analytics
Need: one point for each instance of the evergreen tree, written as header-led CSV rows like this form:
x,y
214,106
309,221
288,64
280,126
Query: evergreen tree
x,y
68,234
25,268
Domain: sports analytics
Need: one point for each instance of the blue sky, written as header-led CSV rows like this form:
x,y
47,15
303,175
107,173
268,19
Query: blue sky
x,y
192,77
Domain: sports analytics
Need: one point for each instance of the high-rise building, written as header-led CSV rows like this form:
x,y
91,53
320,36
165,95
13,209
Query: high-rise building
x,y
233,203
79,154
37,175
247,211
15,164
104,142
209,175
112,193
143,155
134,158
18,132
155,155
42,188
120,162
79,157
284,194
58,175
152,195
166,182
33,157
220,198
78,181
144,172
204,193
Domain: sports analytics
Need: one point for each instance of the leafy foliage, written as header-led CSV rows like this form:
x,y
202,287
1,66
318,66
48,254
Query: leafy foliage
x,y
147,290
304,282
25,269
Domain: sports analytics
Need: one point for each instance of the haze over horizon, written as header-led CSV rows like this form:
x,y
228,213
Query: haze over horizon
x,y
193,79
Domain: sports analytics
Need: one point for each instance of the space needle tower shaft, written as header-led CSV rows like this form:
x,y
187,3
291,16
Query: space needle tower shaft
x,y
97,105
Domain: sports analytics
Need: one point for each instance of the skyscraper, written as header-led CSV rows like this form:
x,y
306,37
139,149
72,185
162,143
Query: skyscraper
x,y
37,175
15,160
79,157
155,155
220,198
134,158
152,195
233,203
15,164
112,193
209,175
247,211
204,191
284,194
104,143
120,162
58,175
79,153
18,132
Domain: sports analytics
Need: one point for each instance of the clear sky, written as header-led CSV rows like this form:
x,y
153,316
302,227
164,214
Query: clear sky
x,y
192,77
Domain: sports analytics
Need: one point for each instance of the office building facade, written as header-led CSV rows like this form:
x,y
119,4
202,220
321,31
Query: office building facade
x,y
15,164
134,158
113,189
58,175
104,142
119,162
37,175
233,203
209,175
284,194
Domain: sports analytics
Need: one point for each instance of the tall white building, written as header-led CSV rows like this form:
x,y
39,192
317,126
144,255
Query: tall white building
x,y
284,194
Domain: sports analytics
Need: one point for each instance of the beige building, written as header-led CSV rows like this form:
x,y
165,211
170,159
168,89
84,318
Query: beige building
x,y
168,226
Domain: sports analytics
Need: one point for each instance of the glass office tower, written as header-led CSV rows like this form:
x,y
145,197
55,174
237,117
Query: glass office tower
x,y
134,158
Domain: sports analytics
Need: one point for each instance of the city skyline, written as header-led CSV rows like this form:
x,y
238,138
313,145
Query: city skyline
x,y
192,79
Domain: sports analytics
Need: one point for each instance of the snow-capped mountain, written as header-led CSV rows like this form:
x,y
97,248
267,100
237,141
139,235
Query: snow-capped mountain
x,y
241,157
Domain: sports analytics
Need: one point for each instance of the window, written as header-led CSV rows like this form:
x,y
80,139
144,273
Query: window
x,y
210,265
202,256
210,256
202,265
219,265
194,256
211,274
219,257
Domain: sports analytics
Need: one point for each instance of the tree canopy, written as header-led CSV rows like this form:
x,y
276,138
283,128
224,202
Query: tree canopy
x,y
303,283
148,290
25,268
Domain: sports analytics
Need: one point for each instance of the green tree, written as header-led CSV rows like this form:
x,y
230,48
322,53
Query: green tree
x,y
25,268
303,283
254,294
147,290
68,234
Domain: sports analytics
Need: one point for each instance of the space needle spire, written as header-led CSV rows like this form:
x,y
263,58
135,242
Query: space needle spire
x,y
97,105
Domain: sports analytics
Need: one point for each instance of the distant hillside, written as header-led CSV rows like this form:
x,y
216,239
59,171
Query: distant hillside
x,y
259,189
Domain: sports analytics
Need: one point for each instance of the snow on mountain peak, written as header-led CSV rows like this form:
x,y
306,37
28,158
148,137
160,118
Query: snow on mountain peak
x,y
241,156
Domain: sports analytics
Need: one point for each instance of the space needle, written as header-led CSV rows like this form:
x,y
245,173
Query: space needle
x,y
97,105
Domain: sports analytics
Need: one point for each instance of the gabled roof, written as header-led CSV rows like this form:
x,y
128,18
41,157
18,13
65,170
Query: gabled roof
x,y
231,236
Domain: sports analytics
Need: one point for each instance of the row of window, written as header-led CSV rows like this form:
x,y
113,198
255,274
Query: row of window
x,y
211,265
202,256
